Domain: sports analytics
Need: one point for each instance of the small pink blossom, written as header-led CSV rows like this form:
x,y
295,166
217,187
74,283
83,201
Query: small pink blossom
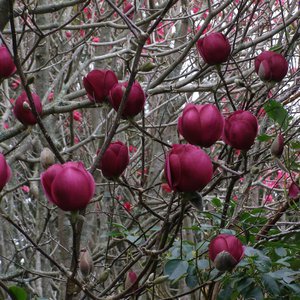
x,y
119,197
51,97
268,199
82,32
77,116
15,84
5,125
87,12
96,39
25,189
68,34
139,172
132,149
12,100
165,187
127,206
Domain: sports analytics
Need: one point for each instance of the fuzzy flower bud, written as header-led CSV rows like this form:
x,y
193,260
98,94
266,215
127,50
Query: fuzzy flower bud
x,y
277,146
86,264
47,158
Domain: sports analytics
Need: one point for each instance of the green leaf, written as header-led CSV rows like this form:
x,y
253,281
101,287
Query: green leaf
x,y
18,292
176,268
255,294
216,202
191,279
270,284
277,113
295,144
244,284
281,251
277,48
203,264
264,137
226,294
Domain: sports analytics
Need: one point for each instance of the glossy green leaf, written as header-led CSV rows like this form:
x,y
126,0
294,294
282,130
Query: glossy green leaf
x,y
255,294
277,113
264,137
295,144
281,251
191,279
176,268
244,284
18,292
203,264
226,294
216,202
270,284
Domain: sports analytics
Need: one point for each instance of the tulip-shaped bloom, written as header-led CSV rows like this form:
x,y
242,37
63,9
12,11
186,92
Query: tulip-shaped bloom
x,y
201,124
70,186
5,172
271,66
135,101
240,130
214,48
115,160
277,146
294,191
22,109
98,83
225,251
188,168
7,66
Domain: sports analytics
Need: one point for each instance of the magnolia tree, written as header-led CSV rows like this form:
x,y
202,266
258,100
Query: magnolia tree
x,y
150,149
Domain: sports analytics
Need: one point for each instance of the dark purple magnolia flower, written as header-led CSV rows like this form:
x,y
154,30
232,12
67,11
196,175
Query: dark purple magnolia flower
x,y
271,66
201,124
115,160
22,109
135,101
7,66
98,84
225,251
187,168
240,130
214,48
70,186
5,172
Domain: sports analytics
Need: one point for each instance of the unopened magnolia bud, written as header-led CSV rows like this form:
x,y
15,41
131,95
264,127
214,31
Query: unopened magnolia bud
x,y
86,264
34,190
160,279
47,158
147,67
130,281
239,82
294,191
151,277
254,170
277,146
195,199
224,261
104,275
